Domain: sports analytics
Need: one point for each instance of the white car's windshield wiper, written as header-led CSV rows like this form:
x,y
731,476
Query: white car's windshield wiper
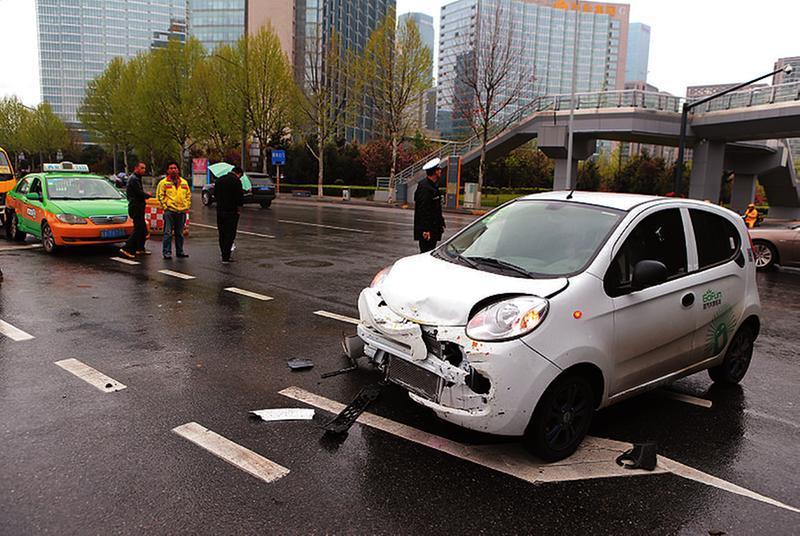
x,y
451,251
503,264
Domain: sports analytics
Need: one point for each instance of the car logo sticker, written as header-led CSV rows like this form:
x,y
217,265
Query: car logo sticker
x,y
719,332
31,212
711,299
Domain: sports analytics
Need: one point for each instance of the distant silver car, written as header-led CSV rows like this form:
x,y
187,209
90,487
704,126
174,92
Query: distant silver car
x,y
778,244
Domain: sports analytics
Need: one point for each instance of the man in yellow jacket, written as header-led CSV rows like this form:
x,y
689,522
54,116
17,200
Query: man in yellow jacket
x,y
175,197
751,216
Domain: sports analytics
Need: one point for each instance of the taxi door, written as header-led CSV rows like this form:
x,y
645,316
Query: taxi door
x,y
32,214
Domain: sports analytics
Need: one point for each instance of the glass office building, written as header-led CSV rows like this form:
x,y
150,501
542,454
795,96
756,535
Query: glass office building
x,y
216,22
77,39
542,40
638,52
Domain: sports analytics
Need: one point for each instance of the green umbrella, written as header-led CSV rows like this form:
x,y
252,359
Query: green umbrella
x,y
220,169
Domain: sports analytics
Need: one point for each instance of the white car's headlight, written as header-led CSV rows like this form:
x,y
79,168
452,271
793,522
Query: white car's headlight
x,y
380,276
507,319
72,219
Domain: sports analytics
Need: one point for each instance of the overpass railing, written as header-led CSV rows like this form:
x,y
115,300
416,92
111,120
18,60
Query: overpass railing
x,y
753,97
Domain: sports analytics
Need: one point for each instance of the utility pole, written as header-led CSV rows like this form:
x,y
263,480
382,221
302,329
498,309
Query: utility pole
x,y
246,85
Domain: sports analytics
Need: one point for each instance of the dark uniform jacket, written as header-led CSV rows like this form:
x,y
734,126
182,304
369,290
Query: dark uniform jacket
x,y
228,193
428,211
135,192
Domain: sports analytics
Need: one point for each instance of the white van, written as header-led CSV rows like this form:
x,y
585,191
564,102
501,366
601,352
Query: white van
x,y
557,304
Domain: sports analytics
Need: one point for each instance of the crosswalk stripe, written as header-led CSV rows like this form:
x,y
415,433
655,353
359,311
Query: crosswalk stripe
x,y
683,397
19,248
334,227
236,455
238,232
15,334
248,294
340,318
124,261
90,375
176,274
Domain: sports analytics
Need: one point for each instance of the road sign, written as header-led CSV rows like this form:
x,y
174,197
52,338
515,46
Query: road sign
x,y
278,157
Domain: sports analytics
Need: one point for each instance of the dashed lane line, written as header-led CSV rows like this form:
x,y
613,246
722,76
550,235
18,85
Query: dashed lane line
x,y
125,261
385,221
176,274
90,375
683,397
248,233
340,318
248,294
15,334
594,459
236,455
19,248
334,227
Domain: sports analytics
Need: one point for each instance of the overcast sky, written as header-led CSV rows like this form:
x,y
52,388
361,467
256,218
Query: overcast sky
x,y
692,41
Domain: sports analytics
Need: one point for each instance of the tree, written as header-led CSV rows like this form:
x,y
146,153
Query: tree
x,y
323,97
13,117
266,87
486,81
106,110
221,97
167,92
393,72
45,133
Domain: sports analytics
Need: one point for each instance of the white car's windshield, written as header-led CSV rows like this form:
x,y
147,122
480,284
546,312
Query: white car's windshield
x,y
534,238
81,188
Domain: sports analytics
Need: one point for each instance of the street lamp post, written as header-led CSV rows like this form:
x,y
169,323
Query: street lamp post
x,y
688,106
571,123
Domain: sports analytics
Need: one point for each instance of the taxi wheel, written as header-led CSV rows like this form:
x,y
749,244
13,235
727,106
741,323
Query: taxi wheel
x,y
206,197
48,240
561,419
737,359
765,254
265,204
13,232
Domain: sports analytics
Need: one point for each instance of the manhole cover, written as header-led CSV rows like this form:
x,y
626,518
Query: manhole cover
x,y
310,264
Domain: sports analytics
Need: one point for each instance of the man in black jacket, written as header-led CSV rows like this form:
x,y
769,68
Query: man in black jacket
x,y
428,220
230,197
136,205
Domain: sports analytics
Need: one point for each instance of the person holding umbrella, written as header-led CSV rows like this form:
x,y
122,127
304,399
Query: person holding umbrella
x,y
230,198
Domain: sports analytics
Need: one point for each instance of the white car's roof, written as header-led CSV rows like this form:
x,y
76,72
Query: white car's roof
x,y
603,199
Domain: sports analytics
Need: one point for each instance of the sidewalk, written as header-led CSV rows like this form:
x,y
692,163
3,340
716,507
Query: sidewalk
x,y
289,198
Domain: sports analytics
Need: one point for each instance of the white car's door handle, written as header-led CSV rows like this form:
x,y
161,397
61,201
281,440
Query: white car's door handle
x,y
688,299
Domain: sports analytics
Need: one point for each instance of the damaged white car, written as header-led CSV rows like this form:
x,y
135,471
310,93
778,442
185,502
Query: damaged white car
x,y
556,304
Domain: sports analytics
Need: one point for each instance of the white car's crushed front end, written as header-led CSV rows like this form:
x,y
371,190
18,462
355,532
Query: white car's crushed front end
x,y
488,387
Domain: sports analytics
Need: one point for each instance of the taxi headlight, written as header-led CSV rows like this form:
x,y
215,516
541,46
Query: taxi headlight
x,y
71,219
380,276
508,319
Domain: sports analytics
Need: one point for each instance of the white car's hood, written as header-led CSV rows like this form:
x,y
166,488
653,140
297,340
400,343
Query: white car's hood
x,y
435,292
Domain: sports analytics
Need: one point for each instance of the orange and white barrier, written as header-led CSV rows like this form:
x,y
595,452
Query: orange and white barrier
x,y
154,217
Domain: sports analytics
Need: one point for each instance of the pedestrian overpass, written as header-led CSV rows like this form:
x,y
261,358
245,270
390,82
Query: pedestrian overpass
x,y
744,132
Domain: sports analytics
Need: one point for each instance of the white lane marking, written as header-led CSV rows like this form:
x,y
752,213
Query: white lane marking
x,y
248,233
90,375
710,480
124,261
334,227
176,274
340,318
15,334
18,248
594,459
236,455
683,397
248,294
284,414
385,221
772,418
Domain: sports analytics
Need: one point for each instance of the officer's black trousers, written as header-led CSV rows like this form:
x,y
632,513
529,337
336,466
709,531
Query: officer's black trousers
x,y
227,222
427,245
137,239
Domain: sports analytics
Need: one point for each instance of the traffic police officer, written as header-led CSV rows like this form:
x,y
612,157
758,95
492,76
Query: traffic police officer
x,y
428,220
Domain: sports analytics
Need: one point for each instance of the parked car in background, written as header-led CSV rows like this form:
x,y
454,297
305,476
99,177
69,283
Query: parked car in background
x,y
778,244
262,192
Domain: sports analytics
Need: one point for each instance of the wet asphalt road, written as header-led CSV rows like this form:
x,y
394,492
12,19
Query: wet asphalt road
x,y
74,460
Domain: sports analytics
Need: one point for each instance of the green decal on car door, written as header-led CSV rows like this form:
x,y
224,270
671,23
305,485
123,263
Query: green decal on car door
x,y
720,331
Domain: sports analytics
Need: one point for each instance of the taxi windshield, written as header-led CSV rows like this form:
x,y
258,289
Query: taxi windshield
x,y
5,167
533,238
75,188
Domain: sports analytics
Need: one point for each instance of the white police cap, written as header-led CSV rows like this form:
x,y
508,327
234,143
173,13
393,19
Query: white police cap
x,y
432,164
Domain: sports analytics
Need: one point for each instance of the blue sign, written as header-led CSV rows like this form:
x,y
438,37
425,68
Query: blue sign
x,y
278,157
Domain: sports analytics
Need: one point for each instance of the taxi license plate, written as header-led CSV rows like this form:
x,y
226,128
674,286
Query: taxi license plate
x,y
112,233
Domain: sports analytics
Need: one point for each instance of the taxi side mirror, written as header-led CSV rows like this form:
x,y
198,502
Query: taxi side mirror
x,y
648,274
33,196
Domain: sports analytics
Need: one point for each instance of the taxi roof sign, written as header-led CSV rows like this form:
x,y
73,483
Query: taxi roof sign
x,y
66,166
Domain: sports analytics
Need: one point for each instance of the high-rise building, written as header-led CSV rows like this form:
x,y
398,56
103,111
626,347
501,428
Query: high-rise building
x,y
425,24
783,78
217,22
542,39
638,52
77,39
